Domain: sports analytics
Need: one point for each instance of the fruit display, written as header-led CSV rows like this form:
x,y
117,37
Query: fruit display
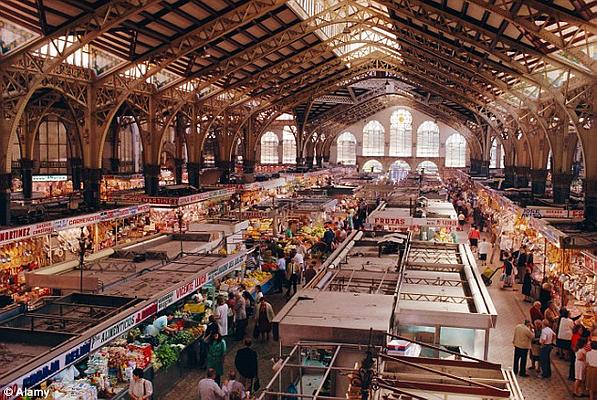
x,y
251,280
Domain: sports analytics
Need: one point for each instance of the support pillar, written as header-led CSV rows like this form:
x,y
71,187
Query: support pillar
x,y
319,161
194,171
5,190
326,159
509,176
178,163
300,161
248,170
76,171
114,165
484,168
27,177
561,186
151,173
538,180
475,167
91,193
309,162
226,167
591,200
521,177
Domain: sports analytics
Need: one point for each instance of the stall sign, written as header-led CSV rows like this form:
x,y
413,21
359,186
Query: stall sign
x,y
49,178
191,286
590,262
45,371
123,325
553,213
250,214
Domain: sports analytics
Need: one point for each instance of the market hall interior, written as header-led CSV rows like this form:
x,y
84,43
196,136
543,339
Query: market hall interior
x,y
275,165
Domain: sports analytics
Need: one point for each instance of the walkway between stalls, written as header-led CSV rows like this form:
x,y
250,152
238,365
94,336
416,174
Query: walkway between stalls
x,y
512,310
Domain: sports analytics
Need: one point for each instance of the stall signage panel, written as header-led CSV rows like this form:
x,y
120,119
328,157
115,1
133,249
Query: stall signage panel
x,y
590,262
549,212
45,371
49,178
250,214
406,222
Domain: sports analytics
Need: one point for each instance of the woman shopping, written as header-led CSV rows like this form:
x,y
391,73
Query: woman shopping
x,y
264,317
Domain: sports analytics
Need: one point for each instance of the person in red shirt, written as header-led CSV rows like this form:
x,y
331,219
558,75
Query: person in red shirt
x,y
473,236
535,311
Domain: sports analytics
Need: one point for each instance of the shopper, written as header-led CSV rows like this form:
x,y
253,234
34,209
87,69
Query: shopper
x,y
140,388
484,250
215,355
522,344
231,302
473,237
280,275
240,316
292,274
264,316
527,285
505,246
258,295
565,334
580,367
310,272
246,364
552,314
299,260
461,221
545,295
212,327
547,339
249,301
231,386
536,346
209,388
591,373
221,316
508,273
521,264
328,238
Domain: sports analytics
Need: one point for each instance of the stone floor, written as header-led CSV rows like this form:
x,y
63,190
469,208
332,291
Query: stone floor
x,y
511,310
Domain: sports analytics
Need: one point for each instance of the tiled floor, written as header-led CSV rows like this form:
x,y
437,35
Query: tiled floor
x,y
511,310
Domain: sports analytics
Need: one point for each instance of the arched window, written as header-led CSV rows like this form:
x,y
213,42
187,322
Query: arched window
x,y
428,140
288,145
399,170
346,147
53,146
496,154
456,151
549,158
210,147
373,166
427,167
269,148
373,139
401,133
128,143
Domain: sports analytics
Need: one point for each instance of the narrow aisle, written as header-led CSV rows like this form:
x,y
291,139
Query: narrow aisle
x,y
512,311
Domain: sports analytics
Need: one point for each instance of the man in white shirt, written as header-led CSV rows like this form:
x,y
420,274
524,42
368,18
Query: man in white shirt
x,y
484,249
280,273
547,339
299,261
209,389
221,315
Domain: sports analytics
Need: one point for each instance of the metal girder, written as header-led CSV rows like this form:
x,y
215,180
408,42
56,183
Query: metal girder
x,y
82,30
167,53
257,51
532,24
561,15
486,35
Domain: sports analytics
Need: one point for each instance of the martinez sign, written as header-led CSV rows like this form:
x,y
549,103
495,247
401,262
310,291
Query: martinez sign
x,y
44,228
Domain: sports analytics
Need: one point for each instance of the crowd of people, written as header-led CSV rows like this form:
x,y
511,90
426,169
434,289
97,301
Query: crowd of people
x,y
548,327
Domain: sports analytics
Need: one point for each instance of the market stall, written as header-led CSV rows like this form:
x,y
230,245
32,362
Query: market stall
x,y
31,247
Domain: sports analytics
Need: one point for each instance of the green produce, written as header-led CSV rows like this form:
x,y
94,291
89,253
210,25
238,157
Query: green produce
x,y
184,337
167,355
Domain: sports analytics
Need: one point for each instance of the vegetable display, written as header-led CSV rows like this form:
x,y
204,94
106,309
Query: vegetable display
x,y
167,355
